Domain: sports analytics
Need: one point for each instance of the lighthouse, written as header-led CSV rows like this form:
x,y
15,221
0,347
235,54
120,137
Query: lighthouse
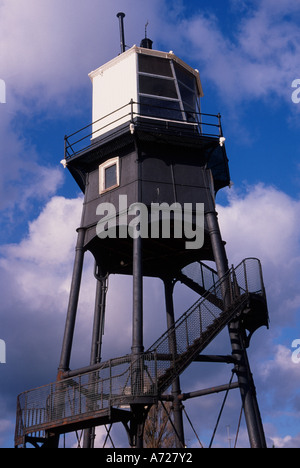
x,y
150,166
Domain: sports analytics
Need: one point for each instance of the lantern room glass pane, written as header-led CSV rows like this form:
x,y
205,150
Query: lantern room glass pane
x,y
185,77
160,108
154,65
188,96
157,86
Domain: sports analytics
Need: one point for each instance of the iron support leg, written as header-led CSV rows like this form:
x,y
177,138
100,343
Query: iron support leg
x,y
137,316
247,389
217,243
176,390
137,342
137,424
96,348
251,410
99,317
73,303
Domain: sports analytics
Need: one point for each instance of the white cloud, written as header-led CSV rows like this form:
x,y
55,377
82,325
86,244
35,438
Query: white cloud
x,y
48,44
36,277
286,442
283,365
69,40
49,47
258,59
20,164
6,425
51,236
36,273
263,223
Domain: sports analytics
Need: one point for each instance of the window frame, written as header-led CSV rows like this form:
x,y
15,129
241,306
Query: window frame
x,y
102,168
187,113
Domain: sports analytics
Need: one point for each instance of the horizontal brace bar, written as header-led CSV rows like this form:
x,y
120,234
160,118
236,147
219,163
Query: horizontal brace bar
x,y
96,367
211,358
206,391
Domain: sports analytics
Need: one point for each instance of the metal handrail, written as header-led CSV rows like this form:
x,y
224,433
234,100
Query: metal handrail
x,y
71,147
202,274
229,278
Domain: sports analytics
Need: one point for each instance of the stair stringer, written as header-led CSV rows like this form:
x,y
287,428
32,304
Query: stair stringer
x,y
179,362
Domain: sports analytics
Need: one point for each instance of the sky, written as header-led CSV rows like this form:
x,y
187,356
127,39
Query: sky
x,y
247,52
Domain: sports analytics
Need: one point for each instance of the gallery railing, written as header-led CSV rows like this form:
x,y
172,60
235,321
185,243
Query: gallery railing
x,y
148,117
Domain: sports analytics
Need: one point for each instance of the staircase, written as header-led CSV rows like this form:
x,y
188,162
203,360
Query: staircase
x,y
103,395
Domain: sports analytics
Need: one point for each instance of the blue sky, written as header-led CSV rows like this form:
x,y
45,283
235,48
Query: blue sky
x,y
247,52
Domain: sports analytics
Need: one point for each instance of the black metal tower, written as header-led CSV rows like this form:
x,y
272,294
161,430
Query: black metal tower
x,y
150,167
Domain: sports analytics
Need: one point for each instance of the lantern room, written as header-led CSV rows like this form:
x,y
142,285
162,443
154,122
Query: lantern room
x,y
148,84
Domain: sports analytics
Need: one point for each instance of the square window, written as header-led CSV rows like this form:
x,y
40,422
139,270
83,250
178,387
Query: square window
x,y
109,175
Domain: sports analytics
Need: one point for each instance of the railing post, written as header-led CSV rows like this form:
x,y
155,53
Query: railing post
x,y
245,275
202,275
131,110
155,371
25,412
186,334
220,125
235,285
263,291
79,391
65,146
110,381
200,320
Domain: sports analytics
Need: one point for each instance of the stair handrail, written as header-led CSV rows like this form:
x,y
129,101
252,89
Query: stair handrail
x,y
228,277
